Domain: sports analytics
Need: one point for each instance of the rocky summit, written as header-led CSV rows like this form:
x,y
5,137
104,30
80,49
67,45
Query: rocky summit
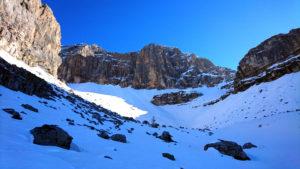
x,y
269,60
154,66
30,32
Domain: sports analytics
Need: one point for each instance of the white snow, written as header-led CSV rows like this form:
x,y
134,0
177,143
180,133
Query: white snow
x,y
274,106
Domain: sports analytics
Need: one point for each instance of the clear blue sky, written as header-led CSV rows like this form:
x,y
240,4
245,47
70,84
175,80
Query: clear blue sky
x,y
222,31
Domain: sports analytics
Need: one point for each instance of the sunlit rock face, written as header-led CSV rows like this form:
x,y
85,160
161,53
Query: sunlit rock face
x,y
154,66
30,32
269,60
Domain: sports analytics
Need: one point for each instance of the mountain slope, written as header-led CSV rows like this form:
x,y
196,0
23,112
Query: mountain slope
x,y
88,150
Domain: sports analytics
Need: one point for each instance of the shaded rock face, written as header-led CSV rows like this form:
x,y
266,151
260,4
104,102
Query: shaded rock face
x,y
51,135
261,61
174,98
154,66
19,79
229,148
30,32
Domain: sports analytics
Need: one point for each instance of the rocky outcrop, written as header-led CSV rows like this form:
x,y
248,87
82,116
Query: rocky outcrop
x,y
270,60
174,98
51,135
30,32
229,148
154,66
19,79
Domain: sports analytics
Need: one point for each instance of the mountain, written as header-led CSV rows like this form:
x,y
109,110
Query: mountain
x,y
105,116
273,58
154,66
30,32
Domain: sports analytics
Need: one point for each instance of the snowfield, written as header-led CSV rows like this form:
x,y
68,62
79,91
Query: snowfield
x,y
268,115
259,101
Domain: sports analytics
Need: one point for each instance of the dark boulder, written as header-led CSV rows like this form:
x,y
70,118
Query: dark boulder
x,y
51,135
166,136
103,134
249,145
15,115
229,148
29,107
168,156
119,138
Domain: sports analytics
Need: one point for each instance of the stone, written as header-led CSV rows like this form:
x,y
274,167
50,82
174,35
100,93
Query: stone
x,y
229,148
166,136
174,98
30,32
103,134
168,156
29,107
154,66
119,138
249,145
51,135
15,115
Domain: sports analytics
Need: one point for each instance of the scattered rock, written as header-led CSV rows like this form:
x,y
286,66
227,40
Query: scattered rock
x,y
229,148
108,157
70,122
249,145
29,107
15,115
168,156
51,135
119,138
166,136
103,134
174,98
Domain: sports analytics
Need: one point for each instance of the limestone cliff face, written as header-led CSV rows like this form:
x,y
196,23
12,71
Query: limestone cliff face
x,y
271,59
154,66
30,32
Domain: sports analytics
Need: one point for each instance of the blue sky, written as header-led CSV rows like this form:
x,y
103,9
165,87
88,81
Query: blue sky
x,y
220,30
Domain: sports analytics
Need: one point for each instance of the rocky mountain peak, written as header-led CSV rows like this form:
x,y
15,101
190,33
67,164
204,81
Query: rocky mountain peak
x,y
81,49
154,66
270,60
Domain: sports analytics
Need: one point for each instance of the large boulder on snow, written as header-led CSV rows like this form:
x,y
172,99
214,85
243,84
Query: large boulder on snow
x,y
119,138
51,135
166,136
174,98
229,148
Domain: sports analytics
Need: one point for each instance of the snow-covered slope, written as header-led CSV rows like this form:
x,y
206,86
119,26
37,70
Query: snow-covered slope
x,y
275,130
266,99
